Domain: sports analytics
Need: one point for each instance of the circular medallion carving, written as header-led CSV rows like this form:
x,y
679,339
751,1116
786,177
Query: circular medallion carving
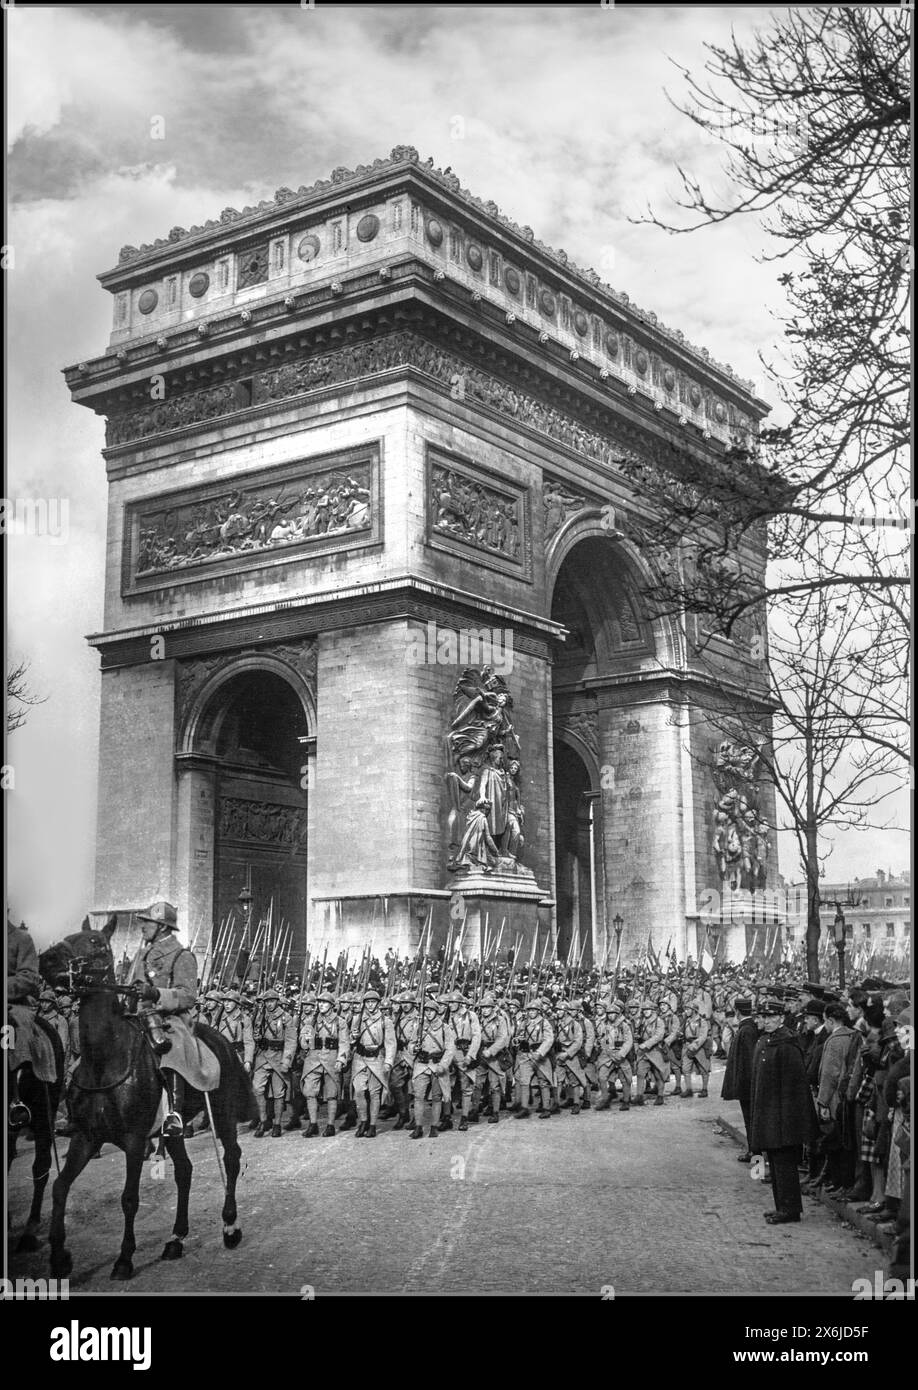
x,y
581,323
720,412
474,257
695,395
547,303
641,363
367,227
612,344
198,285
309,247
434,232
148,301
669,379
512,280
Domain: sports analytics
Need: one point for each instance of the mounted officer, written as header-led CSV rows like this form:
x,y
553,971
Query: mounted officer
x,y
30,1045
165,978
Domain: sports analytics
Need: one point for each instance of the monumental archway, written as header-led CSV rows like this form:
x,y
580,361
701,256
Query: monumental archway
x,y
388,413
247,750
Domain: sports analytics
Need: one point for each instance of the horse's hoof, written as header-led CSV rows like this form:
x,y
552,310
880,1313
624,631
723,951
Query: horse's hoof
x,y
232,1238
121,1269
28,1242
172,1250
61,1264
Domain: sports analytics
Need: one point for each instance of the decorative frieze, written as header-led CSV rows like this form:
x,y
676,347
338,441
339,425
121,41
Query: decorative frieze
x,y
321,504
262,822
465,506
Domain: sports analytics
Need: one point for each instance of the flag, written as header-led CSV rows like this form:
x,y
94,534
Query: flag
x,y
706,964
651,953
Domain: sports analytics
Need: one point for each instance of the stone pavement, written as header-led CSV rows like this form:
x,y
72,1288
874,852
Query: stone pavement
x,y
646,1202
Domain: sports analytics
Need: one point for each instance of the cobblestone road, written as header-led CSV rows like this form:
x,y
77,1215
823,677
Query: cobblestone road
x,y
649,1201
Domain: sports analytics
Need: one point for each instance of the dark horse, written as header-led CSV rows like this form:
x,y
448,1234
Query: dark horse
x,y
115,1097
42,1099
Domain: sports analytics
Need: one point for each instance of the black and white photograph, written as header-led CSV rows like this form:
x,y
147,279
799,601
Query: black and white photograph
x,y
458,623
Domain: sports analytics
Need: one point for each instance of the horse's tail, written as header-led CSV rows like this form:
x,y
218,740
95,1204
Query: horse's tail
x,y
235,1087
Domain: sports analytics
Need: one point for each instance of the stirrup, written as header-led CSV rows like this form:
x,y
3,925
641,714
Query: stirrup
x,y
19,1115
173,1126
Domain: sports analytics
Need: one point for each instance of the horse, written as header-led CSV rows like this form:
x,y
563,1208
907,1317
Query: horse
x,y
115,1096
42,1099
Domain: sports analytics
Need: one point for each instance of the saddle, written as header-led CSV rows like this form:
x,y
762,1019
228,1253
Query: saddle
x,y
33,1042
189,1055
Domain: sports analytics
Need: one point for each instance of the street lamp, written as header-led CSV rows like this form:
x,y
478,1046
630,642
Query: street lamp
x,y
839,929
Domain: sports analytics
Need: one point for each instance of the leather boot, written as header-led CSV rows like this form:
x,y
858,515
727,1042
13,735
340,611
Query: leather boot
x,y
260,1130
435,1133
401,1122
328,1132
370,1132
417,1132
463,1123
361,1130
603,1104
493,1118
276,1132
311,1131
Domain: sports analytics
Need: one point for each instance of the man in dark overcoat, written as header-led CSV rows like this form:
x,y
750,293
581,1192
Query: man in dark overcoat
x,y
783,1113
737,1083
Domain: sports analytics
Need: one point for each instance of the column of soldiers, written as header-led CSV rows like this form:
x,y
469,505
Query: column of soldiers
x,y
427,1056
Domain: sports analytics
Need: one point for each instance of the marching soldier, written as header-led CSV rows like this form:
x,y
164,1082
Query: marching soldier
x,y
493,1055
467,1029
406,1041
615,1043
650,1059
589,1056
275,1041
325,1043
694,1052
569,1039
432,1060
234,1024
672,1039
533,1064
373,1039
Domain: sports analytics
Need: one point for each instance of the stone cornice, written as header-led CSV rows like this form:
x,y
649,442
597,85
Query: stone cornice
x,y
566,403
403,171
405,596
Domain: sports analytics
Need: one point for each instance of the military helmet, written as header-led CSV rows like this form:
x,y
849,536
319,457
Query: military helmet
x,y
268,995
325,996
371,994
163,913
489,1000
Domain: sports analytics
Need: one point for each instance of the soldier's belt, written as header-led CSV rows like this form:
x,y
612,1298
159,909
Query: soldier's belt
x,y
366,1051
429,1057
326,1044
271,1046
524,1047
463,1044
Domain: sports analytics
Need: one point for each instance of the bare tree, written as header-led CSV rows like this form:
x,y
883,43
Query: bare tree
x,y
814,118
20,698
827,743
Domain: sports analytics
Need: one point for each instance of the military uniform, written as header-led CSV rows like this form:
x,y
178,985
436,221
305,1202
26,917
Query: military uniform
x,y
616,1041
695,1052
372,1038
405,1023
430,1072
535,1039
467,1029
493,1055
23,986
166,974
650,1058
233,1023
569,1039
325,1044
275,1043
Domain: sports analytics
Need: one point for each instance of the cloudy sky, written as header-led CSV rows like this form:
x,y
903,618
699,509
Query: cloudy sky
x,y
564,123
